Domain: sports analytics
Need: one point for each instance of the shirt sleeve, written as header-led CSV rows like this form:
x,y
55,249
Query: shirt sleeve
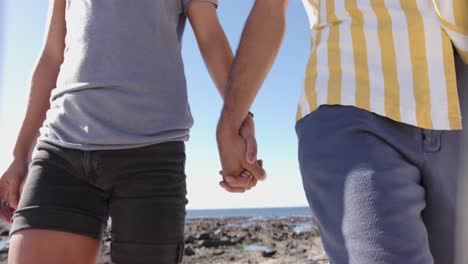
x,y
186,3
457,30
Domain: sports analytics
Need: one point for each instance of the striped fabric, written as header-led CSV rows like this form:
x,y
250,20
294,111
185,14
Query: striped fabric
x,y
454,17
390,57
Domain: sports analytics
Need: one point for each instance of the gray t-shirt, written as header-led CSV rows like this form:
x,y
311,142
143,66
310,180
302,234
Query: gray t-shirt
x,y
122,83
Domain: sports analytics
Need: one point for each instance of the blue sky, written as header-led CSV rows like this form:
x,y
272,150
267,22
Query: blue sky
x,y
274,109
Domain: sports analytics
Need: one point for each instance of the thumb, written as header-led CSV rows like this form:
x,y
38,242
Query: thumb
x,y
256,171
251,150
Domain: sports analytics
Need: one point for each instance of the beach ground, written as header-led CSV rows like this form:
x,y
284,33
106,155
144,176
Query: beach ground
x,y
239,240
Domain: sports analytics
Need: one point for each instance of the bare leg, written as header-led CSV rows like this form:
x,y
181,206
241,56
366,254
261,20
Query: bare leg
x,y
52,247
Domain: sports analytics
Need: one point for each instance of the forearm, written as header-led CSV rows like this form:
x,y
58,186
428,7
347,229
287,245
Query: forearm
x,y
43,81
258,49
212,41
218,57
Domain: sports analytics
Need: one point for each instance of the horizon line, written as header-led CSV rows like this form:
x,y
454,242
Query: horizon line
x,y
247,208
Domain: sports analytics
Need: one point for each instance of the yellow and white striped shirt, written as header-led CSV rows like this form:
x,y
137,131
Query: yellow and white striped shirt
x,y
453,15
390,57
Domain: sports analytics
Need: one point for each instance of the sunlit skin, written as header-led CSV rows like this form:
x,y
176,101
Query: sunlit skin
x,y
258,49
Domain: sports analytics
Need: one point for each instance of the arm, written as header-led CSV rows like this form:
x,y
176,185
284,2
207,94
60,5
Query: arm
x,y
43,81
218,57
258,49
212,41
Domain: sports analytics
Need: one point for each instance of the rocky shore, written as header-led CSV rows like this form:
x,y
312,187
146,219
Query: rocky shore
x,y
242,240
250,240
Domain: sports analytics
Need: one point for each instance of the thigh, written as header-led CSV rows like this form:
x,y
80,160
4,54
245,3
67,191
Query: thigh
x,y
440,179
147,207
366,195
36,246
60,216
443,175
57,196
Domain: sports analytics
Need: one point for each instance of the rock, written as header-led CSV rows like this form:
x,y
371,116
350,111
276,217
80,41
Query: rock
x,y
217,243
218,253
190,239
280,237
236,240
242,234
253,237
223,240
204,236
268,253
290,245
189,251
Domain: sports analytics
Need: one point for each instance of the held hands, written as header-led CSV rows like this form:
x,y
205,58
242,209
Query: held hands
x,y
238,154
11,185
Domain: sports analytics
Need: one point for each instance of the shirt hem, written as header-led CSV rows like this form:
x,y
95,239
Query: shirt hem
x,y
403,113
91,147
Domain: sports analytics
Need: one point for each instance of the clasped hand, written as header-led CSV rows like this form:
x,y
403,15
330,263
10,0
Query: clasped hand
x,y
237,147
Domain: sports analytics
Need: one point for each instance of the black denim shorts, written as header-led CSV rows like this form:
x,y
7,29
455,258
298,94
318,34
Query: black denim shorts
x,y
143,190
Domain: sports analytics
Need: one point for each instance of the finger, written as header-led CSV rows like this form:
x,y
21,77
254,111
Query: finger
x,y
13,193
256,170
251,152
252,180
242,180
252,183
231,189
260,162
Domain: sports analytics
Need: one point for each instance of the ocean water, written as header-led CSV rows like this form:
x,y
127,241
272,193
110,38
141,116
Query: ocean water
x,y
251,212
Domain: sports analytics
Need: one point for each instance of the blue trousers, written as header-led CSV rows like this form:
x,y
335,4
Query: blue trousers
x,y
383,192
